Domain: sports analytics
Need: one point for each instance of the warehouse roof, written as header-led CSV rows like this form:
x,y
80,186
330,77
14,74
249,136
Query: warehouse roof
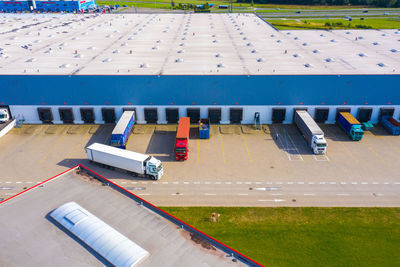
x,y
29,235
183,44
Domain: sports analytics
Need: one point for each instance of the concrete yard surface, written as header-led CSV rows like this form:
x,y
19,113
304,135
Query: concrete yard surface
x,y
29,237
237,166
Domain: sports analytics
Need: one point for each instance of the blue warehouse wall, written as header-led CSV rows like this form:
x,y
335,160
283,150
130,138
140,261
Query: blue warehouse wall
x,y
201,90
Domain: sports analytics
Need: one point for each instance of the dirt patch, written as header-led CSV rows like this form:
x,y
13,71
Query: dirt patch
x,y
248,129
199,240
74,129
87,176
52,129
93,129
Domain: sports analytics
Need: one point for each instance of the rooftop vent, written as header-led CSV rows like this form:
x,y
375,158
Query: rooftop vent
x,y
215,41
329,59
296,38
91,48
278,41
14,38
49,51
144,65
183,38
332,40
180,51
37,41
124,44
307,65
381,64
347,32
254,51
249,44
244,38
109,35
288,33
241,33
315,51
79,56
116,51
375,43
63,66
50,35
159,41
362,55
213,35
322,35
218,55
272,35
130,38
182,44
155,47
393,50
63,44
178,60
383,34
220,65
296,55
85,33
260,59
75,38
107,60
31,60
360,37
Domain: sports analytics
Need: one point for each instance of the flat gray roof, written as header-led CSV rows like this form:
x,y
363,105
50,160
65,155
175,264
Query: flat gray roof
x,y
28,237
186,44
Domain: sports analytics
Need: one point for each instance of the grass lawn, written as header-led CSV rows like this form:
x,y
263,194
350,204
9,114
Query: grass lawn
x,y
304,236
386,23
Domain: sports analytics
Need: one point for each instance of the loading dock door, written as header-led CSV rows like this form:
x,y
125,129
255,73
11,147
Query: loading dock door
x,y
45,115
236,115
321,114
364,114
172,115
278,115
338,110
108,115
214,114
386,112
194,115
150,115
87,115
66,115
130,109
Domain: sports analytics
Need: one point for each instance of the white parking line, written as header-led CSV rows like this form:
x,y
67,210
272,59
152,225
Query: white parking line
x,y
210,194
276,194
321,182
343,183
279,183
258,182
272,200
332,183
310,194
385,183
396,182
8,182
289,182
321,157
247,182
9,194
343,194
379,194
29,182
268,182
242,194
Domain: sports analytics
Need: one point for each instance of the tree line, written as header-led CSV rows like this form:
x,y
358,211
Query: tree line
x,y
374,3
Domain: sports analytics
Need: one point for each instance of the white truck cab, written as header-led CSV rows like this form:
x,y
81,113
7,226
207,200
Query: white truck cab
x,y
154,168
4,116
319,144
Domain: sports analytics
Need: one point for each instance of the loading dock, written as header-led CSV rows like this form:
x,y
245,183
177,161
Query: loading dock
x,y
321,115
87,115
151,115
214,114
66,115
129,109
193,114
108,115
338,110
364,114
45,115
297,108
385,112
172,115
235,115
278,115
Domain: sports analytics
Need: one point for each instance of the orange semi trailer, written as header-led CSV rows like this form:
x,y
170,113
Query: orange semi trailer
x,y
182,139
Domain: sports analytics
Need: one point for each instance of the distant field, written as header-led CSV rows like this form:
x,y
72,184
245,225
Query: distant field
x,y
387,23
304,236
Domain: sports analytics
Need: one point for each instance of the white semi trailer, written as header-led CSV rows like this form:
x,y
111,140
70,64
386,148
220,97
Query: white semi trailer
x,y
311,131
126,160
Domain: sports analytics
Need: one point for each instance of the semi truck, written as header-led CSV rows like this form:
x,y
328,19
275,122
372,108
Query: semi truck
x,y
182,139
350,125
135,163
391,125
204,129
121,132
4,116
311,132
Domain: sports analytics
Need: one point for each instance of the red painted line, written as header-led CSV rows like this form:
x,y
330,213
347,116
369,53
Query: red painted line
x,y
80,165
30,188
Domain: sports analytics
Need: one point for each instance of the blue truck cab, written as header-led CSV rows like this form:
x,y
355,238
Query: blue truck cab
x,y
204,129
121,132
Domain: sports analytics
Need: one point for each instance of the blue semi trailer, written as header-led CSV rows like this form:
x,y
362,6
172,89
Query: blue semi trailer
x,y
391,125
350,125
122,130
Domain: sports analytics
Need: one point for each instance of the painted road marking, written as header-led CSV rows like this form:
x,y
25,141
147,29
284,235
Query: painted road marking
x,y
210,194
133,182
309,194
396,182
279,183
342,194
311,183
343,183
175,182
242,194
289,182
247,149
267,188
272,200
79,145
144,194
154,182
385,183
222,148
217,183
258,182
8,182
321,182
207,182
164,182
186,183
144,182
196,183
289,147
353,182
300,182
228,182
373,151
364,183
345,148
198,151
238,182
176,194
123,182
321,157
276,194
332,182
375,183
54,146
6,188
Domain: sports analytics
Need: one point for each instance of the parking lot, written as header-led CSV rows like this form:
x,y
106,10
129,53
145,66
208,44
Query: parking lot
x,y
235,160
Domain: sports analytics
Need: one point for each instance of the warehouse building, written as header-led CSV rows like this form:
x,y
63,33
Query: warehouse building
x,y
228,67
46,5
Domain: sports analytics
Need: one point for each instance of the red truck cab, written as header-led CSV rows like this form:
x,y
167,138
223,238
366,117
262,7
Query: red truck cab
x,y
182,138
